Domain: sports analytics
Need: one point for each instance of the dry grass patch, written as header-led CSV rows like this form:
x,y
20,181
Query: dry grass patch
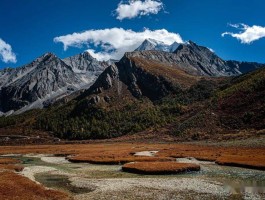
x,y
116,159
16,187
9,161
246,161
115,153
10,164
17,168
159,167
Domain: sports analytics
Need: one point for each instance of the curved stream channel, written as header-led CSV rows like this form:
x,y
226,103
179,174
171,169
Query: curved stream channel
x,y
89,181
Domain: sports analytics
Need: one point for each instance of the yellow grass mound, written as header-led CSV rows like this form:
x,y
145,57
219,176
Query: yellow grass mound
x,y
159,167
247,161
115,160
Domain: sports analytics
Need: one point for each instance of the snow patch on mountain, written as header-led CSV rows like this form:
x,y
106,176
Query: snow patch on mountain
x,y
151,44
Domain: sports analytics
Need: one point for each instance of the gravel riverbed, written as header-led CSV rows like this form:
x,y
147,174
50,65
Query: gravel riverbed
x,y
109,182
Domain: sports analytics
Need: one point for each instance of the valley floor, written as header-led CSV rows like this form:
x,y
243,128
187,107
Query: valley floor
x,y
228,170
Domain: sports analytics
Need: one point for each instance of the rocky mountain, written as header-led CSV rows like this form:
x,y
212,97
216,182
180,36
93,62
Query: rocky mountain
x,y
151,44
204,61
84,62
127,95
180,93
137,94
46,76
197,60
139,77
156,74
86,68
153,70
45,80
208,63
244,67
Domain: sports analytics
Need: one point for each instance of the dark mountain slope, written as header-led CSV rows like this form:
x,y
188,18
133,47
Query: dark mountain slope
x,y
238,106
242,103
244,67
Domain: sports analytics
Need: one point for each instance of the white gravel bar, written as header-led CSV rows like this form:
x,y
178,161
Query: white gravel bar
x,y
146,153
194,161
54,160
168,184
29,172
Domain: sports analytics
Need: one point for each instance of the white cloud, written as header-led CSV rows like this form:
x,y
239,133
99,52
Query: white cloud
x,y
136,8
6,54
103,56
248,34
114,42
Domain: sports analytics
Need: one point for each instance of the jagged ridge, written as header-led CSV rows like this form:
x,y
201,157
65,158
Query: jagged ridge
x,y
46,79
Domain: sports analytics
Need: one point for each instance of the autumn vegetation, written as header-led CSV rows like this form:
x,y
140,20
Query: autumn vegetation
x,y
159,167
247,161
10,164
14,186
17,187
119,153
105,159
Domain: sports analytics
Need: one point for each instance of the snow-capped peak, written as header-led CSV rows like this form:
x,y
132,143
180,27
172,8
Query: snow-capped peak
x,y
152,44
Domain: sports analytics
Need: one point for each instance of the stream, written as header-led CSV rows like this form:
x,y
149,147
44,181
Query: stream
x,y
79,179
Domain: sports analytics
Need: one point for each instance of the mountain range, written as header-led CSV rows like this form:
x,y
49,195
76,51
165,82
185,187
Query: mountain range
x,y
46,79
178,89
49,78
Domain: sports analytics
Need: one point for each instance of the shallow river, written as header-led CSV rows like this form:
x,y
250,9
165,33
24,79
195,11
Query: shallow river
x,y
89,181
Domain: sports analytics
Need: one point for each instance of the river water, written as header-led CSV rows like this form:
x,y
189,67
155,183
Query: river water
x,y
89,181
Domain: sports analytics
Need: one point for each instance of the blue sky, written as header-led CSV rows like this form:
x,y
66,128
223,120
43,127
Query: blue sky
x,y
29,26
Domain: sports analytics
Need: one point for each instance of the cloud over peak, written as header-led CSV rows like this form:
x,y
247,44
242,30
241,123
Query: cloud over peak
x,y
247,34
6,53
135,8
113,43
